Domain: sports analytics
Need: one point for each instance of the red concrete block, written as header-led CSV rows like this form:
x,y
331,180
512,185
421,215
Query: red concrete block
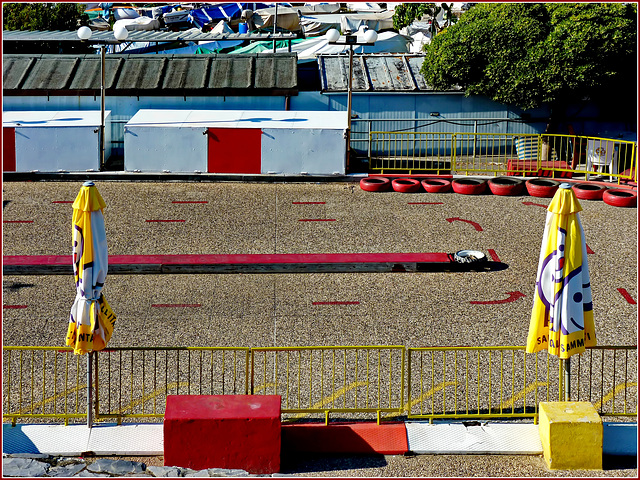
x,y
223,431
386,438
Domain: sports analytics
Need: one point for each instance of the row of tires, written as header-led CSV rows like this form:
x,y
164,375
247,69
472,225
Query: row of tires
x,y
536,187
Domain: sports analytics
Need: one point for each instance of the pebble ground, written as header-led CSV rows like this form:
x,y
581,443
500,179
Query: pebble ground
x,y
254,310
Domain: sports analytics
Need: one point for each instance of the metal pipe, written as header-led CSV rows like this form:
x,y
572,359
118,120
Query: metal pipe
x,y
102,90
349,93
89,390
275,25
567,379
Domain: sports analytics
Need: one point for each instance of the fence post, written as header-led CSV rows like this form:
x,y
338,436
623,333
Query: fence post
x,y
454,148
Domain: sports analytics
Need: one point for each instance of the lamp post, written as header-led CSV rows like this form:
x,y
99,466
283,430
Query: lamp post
x,y
84,34
334,38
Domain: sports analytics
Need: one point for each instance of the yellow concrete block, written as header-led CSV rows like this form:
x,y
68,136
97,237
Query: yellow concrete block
x,y
571,435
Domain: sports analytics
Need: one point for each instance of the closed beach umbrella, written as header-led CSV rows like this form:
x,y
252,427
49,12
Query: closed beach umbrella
x,y
91,321
562,316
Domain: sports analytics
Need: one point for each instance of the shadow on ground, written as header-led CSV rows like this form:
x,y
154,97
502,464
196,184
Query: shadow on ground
x,y
306,463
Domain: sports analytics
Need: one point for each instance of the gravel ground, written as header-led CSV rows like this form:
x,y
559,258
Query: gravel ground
x,y
425,466
253,310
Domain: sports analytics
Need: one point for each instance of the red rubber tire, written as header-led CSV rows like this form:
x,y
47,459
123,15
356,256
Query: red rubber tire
x,y
375,184
542,187
589,191
620,197
436,185
506,186
405,185
469,186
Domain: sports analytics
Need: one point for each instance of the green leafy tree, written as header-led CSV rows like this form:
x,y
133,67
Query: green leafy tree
x,y
42,16
405,13
530,54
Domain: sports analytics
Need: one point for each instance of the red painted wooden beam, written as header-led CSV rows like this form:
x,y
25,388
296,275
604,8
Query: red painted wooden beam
x,y
256,263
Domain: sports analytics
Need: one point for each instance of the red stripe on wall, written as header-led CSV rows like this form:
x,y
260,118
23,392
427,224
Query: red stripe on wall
x,y
9,149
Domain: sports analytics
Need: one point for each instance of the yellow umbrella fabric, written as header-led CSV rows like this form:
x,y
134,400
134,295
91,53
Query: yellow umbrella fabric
x,y
562,316
91,321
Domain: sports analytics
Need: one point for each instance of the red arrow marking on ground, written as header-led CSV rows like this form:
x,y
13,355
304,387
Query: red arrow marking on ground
x,y
425,203
475,225
494,255
589,251
513,296
626,296
14,306
317,220
189,201
536,204
17,221
62,201
309,203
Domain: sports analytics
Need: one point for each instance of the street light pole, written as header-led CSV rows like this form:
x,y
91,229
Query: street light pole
x,y
84,34
102,91
333,38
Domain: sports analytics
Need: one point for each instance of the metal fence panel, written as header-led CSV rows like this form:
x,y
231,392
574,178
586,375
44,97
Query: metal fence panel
x,y
500,154
134,382
331,379
44,383
504,382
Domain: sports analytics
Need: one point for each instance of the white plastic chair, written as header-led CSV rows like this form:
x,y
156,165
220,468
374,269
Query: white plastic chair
x,y
602,153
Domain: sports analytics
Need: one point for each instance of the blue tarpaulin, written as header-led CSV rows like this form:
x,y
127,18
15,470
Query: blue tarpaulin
x,y
223,11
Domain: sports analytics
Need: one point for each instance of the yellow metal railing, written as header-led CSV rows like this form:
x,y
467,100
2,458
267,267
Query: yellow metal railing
x,y
134,382
499,382
322,380
45,383
613,160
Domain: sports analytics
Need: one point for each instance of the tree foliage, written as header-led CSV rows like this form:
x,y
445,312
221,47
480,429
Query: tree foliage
x,y
41,16
527,54
405,13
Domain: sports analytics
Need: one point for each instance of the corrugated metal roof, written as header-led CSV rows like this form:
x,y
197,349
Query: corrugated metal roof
x,y
99,37
208,75
373,73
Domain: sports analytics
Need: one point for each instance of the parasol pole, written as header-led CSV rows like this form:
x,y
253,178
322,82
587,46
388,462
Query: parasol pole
x,y
89,390
567,379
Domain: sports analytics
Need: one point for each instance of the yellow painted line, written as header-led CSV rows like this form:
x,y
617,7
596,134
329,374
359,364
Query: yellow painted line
x,y
528,389
41,403
409,405
331,398
264,387
611,395
149,396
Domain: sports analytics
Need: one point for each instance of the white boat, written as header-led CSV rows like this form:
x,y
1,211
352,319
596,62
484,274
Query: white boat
x,y
176,16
